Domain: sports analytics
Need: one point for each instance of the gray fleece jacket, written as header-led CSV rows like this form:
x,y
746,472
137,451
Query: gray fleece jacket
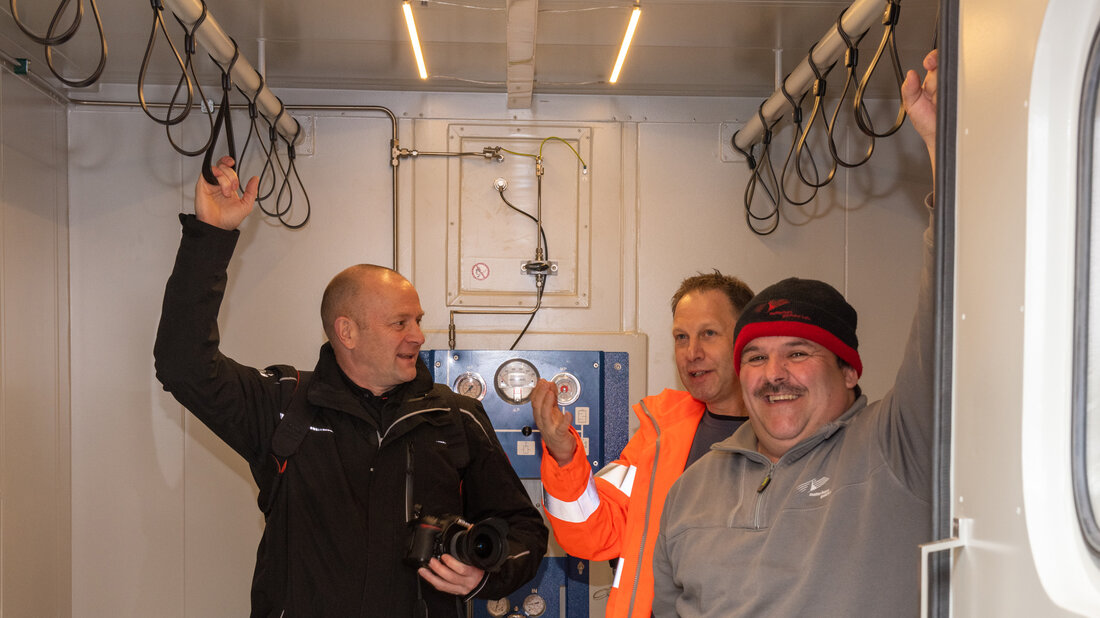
x,y
836,530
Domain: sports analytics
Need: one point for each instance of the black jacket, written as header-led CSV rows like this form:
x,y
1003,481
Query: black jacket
x,y
336,527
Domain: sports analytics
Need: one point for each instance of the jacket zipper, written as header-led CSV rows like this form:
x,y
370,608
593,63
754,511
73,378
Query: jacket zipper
x,y
648,504
760,496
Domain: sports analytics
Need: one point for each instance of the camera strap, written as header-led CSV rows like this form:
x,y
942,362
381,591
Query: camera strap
x,y
296,418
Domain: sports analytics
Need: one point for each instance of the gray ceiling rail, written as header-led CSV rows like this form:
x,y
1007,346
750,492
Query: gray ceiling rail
x,y
220,47
859,17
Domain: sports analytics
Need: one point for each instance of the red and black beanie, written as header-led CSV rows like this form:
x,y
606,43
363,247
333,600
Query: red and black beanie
x,y
805,308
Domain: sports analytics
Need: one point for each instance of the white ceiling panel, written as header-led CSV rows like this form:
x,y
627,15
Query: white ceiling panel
x,y
682,47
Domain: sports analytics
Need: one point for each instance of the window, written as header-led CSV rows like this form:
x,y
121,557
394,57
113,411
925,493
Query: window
x,y
1085,437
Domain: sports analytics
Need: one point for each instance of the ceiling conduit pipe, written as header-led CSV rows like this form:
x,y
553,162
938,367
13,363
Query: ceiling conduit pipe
x,y
860,16
221,49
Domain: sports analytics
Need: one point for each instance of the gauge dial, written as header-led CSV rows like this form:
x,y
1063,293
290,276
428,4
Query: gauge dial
x,y
497,608
534,605
470,384
568,388
515,379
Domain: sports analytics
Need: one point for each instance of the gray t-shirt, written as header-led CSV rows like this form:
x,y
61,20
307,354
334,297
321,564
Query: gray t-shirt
x,y
713,428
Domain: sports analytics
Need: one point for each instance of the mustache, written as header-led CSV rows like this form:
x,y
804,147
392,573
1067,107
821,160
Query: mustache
x,y
769,388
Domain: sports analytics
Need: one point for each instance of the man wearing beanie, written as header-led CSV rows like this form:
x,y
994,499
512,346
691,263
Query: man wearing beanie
x,y
816,506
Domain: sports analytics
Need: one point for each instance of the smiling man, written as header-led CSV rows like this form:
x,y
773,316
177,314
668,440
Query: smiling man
x,y
347,457
615,513
817,505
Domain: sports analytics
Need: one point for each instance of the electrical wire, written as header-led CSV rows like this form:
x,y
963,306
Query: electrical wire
x,y
538,304
890,20
546,245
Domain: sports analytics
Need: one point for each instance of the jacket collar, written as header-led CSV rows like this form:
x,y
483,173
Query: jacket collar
x,y
328,389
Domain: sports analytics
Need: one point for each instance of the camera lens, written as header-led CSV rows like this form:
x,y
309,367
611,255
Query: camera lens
x,y
484,545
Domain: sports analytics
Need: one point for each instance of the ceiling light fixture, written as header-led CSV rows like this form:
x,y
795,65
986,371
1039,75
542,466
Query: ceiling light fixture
x,y
415,39
634,15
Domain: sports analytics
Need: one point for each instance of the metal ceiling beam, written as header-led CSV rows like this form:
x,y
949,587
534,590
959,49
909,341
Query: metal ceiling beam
x,y
522,23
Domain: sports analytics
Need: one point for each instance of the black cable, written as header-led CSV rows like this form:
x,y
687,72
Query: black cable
x,y
50,38
851,60
224,117
272,153
538,304
890,21
95,75
546,245
253,113
817,110
291,168
158,23
756,176
796,119
188,75
540,279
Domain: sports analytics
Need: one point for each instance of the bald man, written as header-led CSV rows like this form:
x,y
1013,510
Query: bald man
x,y
354,457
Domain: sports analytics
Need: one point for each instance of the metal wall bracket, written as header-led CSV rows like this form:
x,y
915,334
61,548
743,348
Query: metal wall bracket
x,y
963,528
539,267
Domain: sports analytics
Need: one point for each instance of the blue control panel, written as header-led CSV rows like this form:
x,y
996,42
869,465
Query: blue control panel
x,y
594,387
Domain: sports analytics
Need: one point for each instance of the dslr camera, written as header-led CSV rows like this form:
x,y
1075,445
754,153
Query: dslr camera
x,y
484,544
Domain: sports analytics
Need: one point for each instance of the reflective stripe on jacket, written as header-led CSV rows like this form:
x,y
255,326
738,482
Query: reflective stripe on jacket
x,y
616,513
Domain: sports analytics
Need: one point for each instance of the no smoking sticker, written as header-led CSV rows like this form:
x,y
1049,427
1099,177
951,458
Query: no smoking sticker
x,y
480,271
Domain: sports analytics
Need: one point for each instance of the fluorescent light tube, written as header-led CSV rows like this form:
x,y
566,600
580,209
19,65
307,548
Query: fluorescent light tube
x,y
416,40
634,15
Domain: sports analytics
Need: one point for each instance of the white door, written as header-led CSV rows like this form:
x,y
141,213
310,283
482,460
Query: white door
x,y
1021,74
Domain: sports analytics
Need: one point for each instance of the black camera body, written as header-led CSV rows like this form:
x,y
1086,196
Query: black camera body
x,y
483,545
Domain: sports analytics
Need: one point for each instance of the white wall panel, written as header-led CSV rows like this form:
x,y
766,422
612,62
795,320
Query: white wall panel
x,y
128,471
35,479
178,513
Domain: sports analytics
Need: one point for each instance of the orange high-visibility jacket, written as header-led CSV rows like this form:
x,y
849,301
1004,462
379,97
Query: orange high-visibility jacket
x,y
616,513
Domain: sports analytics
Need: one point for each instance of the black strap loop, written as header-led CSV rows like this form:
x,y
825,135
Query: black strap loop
x,y
224,116
890,21
817,110
850,56
796,118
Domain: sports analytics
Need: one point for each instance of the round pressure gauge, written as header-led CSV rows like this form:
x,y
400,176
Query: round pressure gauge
x,y
568,388
514,381
470,384
497,608
534,605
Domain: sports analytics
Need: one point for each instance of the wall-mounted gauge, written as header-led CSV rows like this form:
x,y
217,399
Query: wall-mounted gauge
x,y
515,379
498,607
470,384
568,388
534,605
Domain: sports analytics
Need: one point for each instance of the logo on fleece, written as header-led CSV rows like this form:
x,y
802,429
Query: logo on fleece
x,y
813,487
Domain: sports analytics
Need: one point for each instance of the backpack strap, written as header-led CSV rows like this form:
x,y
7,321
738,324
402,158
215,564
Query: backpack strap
x,y
297,416
294,425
